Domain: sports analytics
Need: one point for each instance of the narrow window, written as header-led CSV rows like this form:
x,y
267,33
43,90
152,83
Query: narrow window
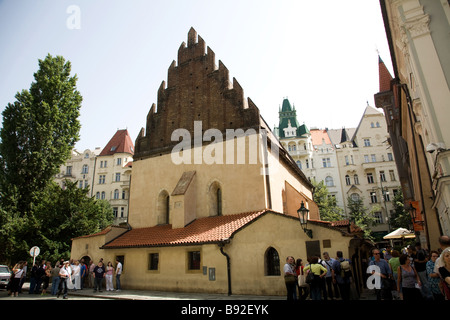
x,y
194,260
347,180
272,262
219,202
167,213
153,261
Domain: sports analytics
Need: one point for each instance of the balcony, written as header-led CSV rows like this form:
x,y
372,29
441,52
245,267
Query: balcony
x,y
299,153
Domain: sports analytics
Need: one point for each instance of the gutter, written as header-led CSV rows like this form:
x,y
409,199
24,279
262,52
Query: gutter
x,y
221,246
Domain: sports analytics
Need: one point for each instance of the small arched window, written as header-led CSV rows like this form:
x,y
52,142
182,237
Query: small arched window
x,y
272,262
215,199
347,180
167,210
219,202
163,208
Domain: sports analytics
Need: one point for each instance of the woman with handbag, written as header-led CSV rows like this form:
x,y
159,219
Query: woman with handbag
x,y
318,271
303,287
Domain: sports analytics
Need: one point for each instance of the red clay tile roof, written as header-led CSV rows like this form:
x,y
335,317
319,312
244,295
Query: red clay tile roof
x,y
203,230
120,142
384,76
317,135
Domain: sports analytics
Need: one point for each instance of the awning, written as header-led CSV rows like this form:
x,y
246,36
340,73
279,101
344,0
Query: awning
x,y
400,233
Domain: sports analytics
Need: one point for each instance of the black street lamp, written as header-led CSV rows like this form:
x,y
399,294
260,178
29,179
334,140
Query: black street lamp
x,y
303,218
413,213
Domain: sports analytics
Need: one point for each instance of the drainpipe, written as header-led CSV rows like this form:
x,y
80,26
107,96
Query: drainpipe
x,y
221,246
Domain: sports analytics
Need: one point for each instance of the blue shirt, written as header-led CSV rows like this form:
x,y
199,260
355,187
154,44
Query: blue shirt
x,y
383,265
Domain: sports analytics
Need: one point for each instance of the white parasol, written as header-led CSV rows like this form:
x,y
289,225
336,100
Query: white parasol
x,y
400,233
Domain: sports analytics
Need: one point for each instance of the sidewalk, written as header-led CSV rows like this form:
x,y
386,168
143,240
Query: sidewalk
x,y
163,295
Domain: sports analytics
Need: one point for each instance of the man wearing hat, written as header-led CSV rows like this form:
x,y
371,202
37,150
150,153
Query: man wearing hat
x,y
64,275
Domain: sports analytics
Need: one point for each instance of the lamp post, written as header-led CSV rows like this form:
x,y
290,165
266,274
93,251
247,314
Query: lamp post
x,y
303,218
413,213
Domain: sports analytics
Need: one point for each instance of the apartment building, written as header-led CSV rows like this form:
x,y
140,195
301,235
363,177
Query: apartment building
x,y
367,167
107,172
352,162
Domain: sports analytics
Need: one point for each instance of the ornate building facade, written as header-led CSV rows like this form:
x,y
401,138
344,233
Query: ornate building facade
x,y
415,100
352,162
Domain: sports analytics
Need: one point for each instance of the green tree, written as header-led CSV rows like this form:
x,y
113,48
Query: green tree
x,y
328,209
67,213
39,130
359,215
400,218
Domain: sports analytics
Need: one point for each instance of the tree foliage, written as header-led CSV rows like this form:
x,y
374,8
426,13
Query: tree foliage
x,y
39,131
328,209
359,215
400,218
64,214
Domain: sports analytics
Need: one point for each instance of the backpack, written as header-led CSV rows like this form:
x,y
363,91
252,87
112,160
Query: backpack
x,y
346,270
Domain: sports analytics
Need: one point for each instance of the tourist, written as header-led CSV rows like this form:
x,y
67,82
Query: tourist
x,y
319,271
64,275
433,277
444,272
46,278
118,274
18,274
99,274
331,265
109,276
55,278
343,275
394,263
303,287
444,243
290,278
408,280
385,273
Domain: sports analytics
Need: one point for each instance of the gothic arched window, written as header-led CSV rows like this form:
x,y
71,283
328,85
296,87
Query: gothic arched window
x,y
272,262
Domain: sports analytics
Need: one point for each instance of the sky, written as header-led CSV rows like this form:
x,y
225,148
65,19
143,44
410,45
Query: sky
x,y
321,55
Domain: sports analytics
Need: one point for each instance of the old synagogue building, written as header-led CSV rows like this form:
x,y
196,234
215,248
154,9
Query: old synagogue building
x,y
213,194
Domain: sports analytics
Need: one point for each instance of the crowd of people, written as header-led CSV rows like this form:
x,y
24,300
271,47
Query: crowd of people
x,y
65,275
327,278
412,273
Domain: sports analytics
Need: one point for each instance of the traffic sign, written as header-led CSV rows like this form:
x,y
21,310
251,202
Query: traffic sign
x,y
34,252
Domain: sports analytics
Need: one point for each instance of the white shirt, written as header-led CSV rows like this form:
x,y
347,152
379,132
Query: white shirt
x,y
18,274
119,268
288,268
64,272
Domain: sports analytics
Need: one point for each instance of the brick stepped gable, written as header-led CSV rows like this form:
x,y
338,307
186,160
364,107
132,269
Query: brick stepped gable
x,y
196,91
